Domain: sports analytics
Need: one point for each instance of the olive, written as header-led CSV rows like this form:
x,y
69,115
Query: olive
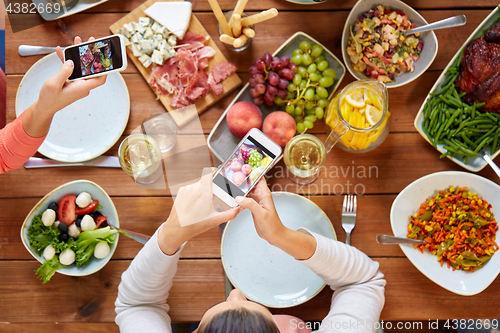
x,y
63,237
53,206
63,227
78,221
94,215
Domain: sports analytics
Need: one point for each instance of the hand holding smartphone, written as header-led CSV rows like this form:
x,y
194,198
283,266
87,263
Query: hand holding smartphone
x,y
97,57
253,157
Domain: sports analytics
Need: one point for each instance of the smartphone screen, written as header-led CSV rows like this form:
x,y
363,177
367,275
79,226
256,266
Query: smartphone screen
x,y
243,169
95,57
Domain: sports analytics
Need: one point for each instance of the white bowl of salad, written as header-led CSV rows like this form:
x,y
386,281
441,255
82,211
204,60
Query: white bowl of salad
x,y
374,45
67,230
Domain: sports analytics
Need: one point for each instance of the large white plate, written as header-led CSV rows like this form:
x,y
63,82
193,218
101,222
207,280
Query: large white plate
x,y
264,273
408,202
85,129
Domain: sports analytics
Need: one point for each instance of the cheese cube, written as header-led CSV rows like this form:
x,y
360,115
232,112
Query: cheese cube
x,y
148,33
127,42
155,26
157,58
167,52
136,51
172,40
147,45
145,60
162,31
135,38
127,30
144,21
139,28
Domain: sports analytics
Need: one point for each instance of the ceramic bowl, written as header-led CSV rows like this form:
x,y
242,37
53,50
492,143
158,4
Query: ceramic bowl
x,y
408,203
74,187
427,55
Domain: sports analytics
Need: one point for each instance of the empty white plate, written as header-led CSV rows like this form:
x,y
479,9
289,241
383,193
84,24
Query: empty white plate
x,y
408,203
264,273
85,129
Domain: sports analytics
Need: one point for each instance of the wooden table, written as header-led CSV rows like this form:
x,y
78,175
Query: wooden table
x,y
87,303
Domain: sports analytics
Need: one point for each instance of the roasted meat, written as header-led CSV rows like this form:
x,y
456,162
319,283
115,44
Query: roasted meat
x,y
479,74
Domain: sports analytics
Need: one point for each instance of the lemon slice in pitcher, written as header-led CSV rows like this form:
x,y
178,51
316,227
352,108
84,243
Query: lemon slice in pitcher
x,y
373,115
356,99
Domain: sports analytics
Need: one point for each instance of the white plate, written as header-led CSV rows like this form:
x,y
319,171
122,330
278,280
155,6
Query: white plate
x,y
85,129
408,202
81,6
477,163
264,273
427,55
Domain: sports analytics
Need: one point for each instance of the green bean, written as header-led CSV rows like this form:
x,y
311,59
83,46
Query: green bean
x,y
489,115
485,136
477,122
468,141
452,150
456,114
482,144
450,143
462,125
495,141
436,139
445,154
447,86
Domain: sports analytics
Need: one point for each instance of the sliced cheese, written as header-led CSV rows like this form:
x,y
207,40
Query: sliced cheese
x,y
174,15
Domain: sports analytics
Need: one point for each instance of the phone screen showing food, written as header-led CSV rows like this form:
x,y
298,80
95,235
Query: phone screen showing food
x,y
244,167
95,57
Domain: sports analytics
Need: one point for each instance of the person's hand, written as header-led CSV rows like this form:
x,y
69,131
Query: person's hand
x,y
192,214
56,93
260,203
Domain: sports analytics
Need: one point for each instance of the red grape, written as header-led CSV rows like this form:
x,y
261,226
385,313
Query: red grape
x,y
258,100
274,78
259,78
276,64
254,70
283,83
267,58
282,93
287,73
286,60
253,93
294,67
272,90
269,104
260,65
260,88
252,81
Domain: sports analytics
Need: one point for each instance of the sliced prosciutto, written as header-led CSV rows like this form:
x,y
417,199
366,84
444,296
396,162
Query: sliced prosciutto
x,y
183,76
219,73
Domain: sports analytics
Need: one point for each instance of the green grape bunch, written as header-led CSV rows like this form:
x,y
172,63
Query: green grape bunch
x,y
254,159
307,93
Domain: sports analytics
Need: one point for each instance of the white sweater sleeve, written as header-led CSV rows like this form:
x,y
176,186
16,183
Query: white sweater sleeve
x,y
141,305
358,284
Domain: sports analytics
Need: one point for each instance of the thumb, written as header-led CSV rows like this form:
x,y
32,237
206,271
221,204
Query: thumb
x,y
250,204
64,73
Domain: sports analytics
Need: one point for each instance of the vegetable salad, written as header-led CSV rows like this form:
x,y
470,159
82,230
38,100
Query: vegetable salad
x,y
377,45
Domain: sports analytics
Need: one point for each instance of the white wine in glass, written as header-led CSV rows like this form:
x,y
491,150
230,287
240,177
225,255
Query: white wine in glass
x,y
140,157
304,155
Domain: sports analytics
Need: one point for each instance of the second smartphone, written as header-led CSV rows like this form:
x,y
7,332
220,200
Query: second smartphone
x,y
97,57
252,158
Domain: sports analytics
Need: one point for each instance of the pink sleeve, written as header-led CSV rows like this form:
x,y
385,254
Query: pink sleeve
x,y
16,146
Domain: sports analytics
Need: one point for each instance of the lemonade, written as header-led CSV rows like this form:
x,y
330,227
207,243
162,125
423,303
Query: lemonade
x,y
362,110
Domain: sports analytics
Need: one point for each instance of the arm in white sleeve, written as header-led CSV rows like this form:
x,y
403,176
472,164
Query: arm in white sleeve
x,y
357,281
141,305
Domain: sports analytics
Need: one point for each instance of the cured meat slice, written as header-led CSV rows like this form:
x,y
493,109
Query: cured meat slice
x,y
194,37
198,86
219,73
187,67
192,46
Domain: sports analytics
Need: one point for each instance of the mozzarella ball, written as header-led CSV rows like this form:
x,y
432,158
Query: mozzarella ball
x,y
56,224
67,257
48,217
73,230
101,250
88,223
83,200
49,252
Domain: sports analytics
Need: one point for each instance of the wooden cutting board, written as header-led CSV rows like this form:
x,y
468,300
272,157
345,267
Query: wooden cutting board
x,y
202,104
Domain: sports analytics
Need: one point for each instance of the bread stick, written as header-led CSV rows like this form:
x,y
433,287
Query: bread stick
x,y
250,33
227,39
257,18
220,17
240,6
240,41
236,25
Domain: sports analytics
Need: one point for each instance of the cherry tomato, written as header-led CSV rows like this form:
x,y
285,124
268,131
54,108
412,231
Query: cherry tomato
x,y
66,209
101,219
87,210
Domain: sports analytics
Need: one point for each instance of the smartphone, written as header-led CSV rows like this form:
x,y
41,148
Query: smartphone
x,y
253,157
97,57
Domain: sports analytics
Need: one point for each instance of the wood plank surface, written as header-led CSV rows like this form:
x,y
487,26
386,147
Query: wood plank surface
x,y
270,34
199,284
229,84
59,328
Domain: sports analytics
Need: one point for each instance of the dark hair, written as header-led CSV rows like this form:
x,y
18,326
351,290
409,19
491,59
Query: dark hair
x,y
239,321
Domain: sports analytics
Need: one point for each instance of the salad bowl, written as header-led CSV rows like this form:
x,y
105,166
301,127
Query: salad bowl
x,y
74,187
427,55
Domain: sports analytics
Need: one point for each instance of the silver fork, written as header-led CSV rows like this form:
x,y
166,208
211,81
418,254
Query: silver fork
x,y
349,209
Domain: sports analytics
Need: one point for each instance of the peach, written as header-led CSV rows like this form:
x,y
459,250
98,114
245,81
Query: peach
x,y
236,166
242,117
246,168
280,127
238,177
